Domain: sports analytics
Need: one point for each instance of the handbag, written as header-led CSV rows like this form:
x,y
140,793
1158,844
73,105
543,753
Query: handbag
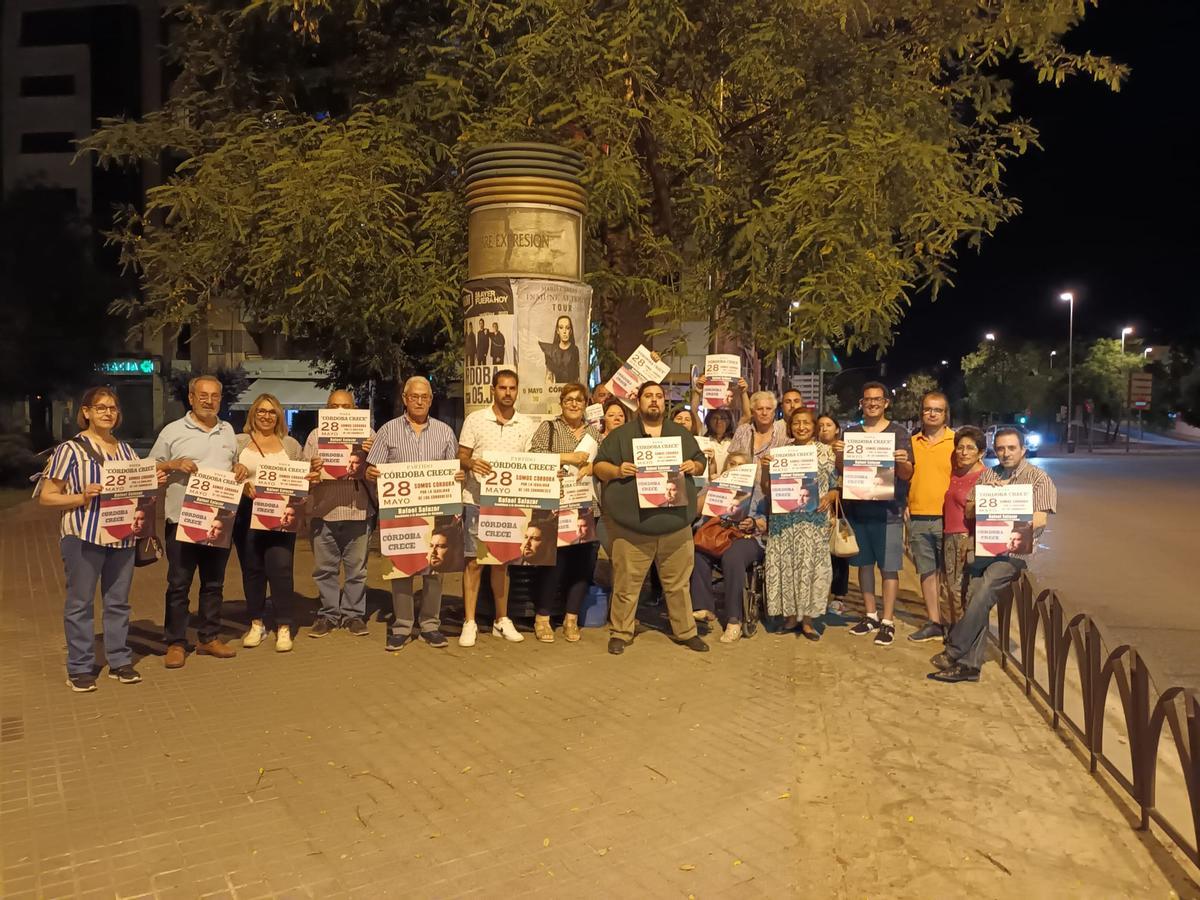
x,y
842,542
147,550
713,538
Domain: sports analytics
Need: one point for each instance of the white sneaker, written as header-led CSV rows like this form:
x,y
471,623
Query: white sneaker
x,y
506,629
255,635
469,632
283,639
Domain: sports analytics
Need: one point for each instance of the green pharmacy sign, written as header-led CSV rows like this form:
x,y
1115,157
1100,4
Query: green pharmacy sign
x,y
126,367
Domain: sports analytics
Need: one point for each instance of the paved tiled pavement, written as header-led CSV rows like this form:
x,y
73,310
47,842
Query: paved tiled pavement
x,y
774,768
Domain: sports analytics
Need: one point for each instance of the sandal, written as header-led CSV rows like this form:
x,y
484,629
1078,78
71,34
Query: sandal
x,y
542,630
570,628
733,633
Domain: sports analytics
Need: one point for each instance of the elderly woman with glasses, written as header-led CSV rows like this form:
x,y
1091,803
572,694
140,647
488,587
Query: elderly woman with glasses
x,y
575,442
266,557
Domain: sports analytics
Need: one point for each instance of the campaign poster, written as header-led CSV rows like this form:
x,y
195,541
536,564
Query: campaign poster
x,y
128,500
869,466
341,434
420,517
210,502
552,330
793,473
280,490
660,483
710,469
488,340
576,513
728,495
1003,519
593,414
721,371
637,370
518,509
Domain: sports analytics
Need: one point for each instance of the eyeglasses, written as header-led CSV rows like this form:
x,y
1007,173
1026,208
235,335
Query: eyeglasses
x,y
104,409
210,398
419,398
572,400
266,412
933,409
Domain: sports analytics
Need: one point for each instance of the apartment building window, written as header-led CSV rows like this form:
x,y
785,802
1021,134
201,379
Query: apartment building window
x,y
48,86
48,142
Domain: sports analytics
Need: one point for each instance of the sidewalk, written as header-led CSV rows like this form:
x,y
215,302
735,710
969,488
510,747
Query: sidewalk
x,y
774,768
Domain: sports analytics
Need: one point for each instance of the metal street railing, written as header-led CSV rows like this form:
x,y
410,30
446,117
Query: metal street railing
x,y
1144,713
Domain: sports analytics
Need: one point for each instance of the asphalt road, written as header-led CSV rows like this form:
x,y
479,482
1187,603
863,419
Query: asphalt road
x,y
1124,547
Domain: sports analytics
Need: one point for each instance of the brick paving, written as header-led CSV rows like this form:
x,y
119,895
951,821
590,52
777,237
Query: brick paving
x,y
773,768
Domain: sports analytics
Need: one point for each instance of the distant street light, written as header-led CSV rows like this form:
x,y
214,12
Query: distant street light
x,y
1146,352
1070,299
990,336
1053,353
945,362
1127,330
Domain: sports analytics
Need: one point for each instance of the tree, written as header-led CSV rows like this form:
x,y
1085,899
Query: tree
x,y
1001,381
906,407
741,156
1103,378
54,326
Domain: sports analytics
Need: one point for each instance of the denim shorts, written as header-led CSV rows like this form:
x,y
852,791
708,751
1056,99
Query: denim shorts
x,y
925,543
880,543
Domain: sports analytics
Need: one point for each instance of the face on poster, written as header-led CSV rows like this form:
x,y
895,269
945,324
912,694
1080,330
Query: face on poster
x,y
422,545
488,340
576,513
721,370
553,327
341,434
1003,519
729,495
793,475
280,490
210,502
637,370
518,536
869,470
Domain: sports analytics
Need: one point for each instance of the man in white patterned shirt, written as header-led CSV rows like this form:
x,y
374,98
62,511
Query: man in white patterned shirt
x,y
341,511
415,437
499,427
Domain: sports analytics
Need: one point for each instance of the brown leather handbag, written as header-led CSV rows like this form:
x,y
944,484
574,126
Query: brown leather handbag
x,y
713,538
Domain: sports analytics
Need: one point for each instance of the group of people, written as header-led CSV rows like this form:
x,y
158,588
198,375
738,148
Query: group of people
x,y
935,473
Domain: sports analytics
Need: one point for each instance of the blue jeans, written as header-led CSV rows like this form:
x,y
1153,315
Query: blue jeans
x,y
968,639
86,564
338,545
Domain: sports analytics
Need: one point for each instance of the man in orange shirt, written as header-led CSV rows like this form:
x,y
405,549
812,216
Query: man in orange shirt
x,y
933,451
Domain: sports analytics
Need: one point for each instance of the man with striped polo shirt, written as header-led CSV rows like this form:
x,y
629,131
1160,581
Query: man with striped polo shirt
x,y
415,437
499,427
341,510
933,450
966,646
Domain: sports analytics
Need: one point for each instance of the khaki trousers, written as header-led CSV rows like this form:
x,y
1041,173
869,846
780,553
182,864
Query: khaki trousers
x,y
632,555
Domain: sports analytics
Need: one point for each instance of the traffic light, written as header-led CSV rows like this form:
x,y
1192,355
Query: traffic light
x,y
1022,420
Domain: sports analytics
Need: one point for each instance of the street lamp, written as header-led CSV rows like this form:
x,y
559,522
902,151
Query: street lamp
x,y
1127,330
990,336
1053,353
1070,299
1146,352
945,362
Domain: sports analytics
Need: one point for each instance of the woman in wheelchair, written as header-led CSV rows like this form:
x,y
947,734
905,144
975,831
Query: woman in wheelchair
x,y
734,564
798,563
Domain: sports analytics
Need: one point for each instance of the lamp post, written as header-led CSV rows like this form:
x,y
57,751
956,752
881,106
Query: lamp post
x,y
1146,352
990,336
1127,330
1053,353
1070,299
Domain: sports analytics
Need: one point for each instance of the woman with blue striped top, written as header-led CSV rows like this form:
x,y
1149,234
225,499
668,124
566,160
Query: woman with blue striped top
x,y
72,483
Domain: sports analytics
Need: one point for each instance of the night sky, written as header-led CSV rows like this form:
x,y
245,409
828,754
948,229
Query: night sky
x,y
1108,205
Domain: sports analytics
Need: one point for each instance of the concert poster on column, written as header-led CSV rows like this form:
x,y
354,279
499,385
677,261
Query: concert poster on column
x,y
553,327
488,340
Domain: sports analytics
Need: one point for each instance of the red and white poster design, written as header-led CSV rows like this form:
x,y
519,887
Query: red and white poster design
x,y
210,503
576,512
128,500
869,466
420,517
518,509
280,490
721,370
729,495
341,434
660,484
1003,519
793,472
638,369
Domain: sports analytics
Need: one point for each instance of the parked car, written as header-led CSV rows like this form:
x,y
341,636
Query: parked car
x,y
1033,439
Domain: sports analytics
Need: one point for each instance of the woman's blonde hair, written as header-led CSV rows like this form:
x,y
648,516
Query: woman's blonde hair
x,y
280,415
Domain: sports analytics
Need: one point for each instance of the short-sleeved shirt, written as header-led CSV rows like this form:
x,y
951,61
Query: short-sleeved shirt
x,y
483,431
933,461
73,465
620,498
955,506
214,448
338,499
743,439
1045,494
397,441
890,510
556,436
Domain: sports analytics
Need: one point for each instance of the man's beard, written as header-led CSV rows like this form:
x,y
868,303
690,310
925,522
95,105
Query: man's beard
x,y
652,418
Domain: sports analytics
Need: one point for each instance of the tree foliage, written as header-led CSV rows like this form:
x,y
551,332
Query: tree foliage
x,y
1002,380
741,155
1103,378
906,407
